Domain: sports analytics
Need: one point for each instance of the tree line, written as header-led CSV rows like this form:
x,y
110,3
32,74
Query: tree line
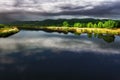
x,y
100,24
88,22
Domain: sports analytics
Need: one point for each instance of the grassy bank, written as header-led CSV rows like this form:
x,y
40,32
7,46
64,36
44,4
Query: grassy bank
x,y
80,30
4,32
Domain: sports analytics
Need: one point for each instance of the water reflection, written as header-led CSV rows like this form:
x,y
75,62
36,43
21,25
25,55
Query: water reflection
x,y
47,64
106,37
37,55
33,39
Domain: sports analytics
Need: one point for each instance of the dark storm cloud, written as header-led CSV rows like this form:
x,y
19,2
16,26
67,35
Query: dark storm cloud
x,y
89,10
10,16
14,10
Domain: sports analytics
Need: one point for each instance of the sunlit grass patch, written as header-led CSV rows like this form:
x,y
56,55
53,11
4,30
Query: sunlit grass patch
x,y
84,30
4,32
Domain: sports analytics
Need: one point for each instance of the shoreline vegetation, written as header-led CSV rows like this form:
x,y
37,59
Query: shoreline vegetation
x,y
76,30
75,26
5,32
108,35
82,30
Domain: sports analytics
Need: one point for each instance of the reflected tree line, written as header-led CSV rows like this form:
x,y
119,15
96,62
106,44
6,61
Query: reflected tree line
x,y
106,37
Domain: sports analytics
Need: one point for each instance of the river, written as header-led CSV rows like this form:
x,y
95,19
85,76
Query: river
x,y
39,55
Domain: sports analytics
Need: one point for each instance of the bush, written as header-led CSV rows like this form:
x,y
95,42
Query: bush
x,y
65,24
89,25
77,25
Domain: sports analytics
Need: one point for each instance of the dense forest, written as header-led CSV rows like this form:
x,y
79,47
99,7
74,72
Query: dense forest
x,y
88,22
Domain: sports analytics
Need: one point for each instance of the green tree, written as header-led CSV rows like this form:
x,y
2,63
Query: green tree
x,y
83,25
95,26
105,25
109,24
77,25
89,25
65,24
100,25
116,24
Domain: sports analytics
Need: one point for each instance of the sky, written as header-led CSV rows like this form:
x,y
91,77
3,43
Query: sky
x,y
27,10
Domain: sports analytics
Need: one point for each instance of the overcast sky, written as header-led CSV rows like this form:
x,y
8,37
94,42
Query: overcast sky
x,y
12,10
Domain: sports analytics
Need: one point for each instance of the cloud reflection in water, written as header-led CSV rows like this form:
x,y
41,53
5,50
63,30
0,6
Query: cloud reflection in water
x,y
37,40
32,55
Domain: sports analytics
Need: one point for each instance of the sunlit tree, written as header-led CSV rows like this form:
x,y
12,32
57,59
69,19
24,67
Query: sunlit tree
x,y
77,25
109,24
65,24
100,25
95,26
89,25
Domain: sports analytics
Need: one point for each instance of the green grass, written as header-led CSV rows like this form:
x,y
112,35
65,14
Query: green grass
x,y
4,32
82,30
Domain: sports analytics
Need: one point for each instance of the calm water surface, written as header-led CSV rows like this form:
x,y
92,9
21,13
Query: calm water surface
x,y
38,55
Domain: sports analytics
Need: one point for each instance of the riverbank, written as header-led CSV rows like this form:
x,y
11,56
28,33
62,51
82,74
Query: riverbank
x,y
75,30
4,32
79,30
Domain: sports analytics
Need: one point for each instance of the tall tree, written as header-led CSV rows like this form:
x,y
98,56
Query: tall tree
x,y
65,24
109,24
89,25
100,25
95,26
